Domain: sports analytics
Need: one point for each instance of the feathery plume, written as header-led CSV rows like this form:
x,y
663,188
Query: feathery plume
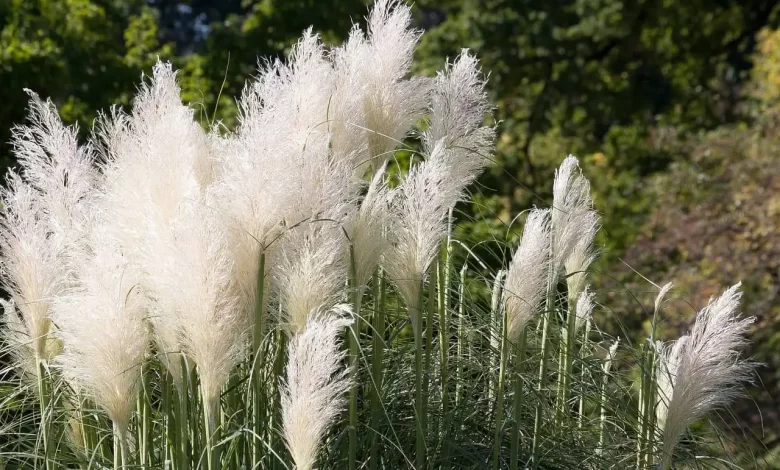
x,y
366,229
315,383
584,310
310,274
30,273
101,324
526,280
418,223
278,172
659,299
458,106
578,262
60,170
157,160
573,217
456,149
201,290
372,97
43,220
702,371
611,355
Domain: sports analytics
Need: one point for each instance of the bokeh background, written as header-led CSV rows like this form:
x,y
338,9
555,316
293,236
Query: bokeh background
x,y
673,107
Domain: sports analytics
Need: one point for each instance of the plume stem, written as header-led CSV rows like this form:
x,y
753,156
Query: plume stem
x,y
500,395
549,308
376,363
583,351
210,410
568,361
418,373
121,449
430,314
144,429
258,410
514,450
461,348
43,403
354,349
182,453
443,281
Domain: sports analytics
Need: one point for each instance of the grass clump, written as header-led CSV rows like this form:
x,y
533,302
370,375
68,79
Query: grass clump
x,y
273,297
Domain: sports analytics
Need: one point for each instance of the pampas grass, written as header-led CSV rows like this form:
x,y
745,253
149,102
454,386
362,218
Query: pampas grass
x,y
702,371
525,284
181,290
314,384
105,338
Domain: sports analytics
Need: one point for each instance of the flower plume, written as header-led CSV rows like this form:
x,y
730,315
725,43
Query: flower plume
x,y
102,327
44,217
314,385
526,279
573,219
702,371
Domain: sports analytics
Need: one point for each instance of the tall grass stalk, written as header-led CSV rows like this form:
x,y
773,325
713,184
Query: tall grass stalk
x,y
496,331
419,398
431,314
499,403
354,352
606,367
443,278
210,417
182,417
461,337
43,406
276,400
567,347
584,352
517,401
377,358
144,427
258,388
547,316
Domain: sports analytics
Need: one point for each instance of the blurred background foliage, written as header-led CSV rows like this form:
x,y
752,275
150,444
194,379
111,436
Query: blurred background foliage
x,y
672,105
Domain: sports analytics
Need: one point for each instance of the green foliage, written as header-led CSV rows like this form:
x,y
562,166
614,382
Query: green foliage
x,y
601,77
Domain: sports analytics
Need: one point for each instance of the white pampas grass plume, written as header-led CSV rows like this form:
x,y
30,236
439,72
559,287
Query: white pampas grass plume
x,y
314,385
366,229
60,170
578,262
669,362
458,107
30,267
702,371
417,224
101,324
310,274
584,309
201,291
458,102
611,355
20,348
278,172
573,217
157,160
372,96
526,280
659,299
43,221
